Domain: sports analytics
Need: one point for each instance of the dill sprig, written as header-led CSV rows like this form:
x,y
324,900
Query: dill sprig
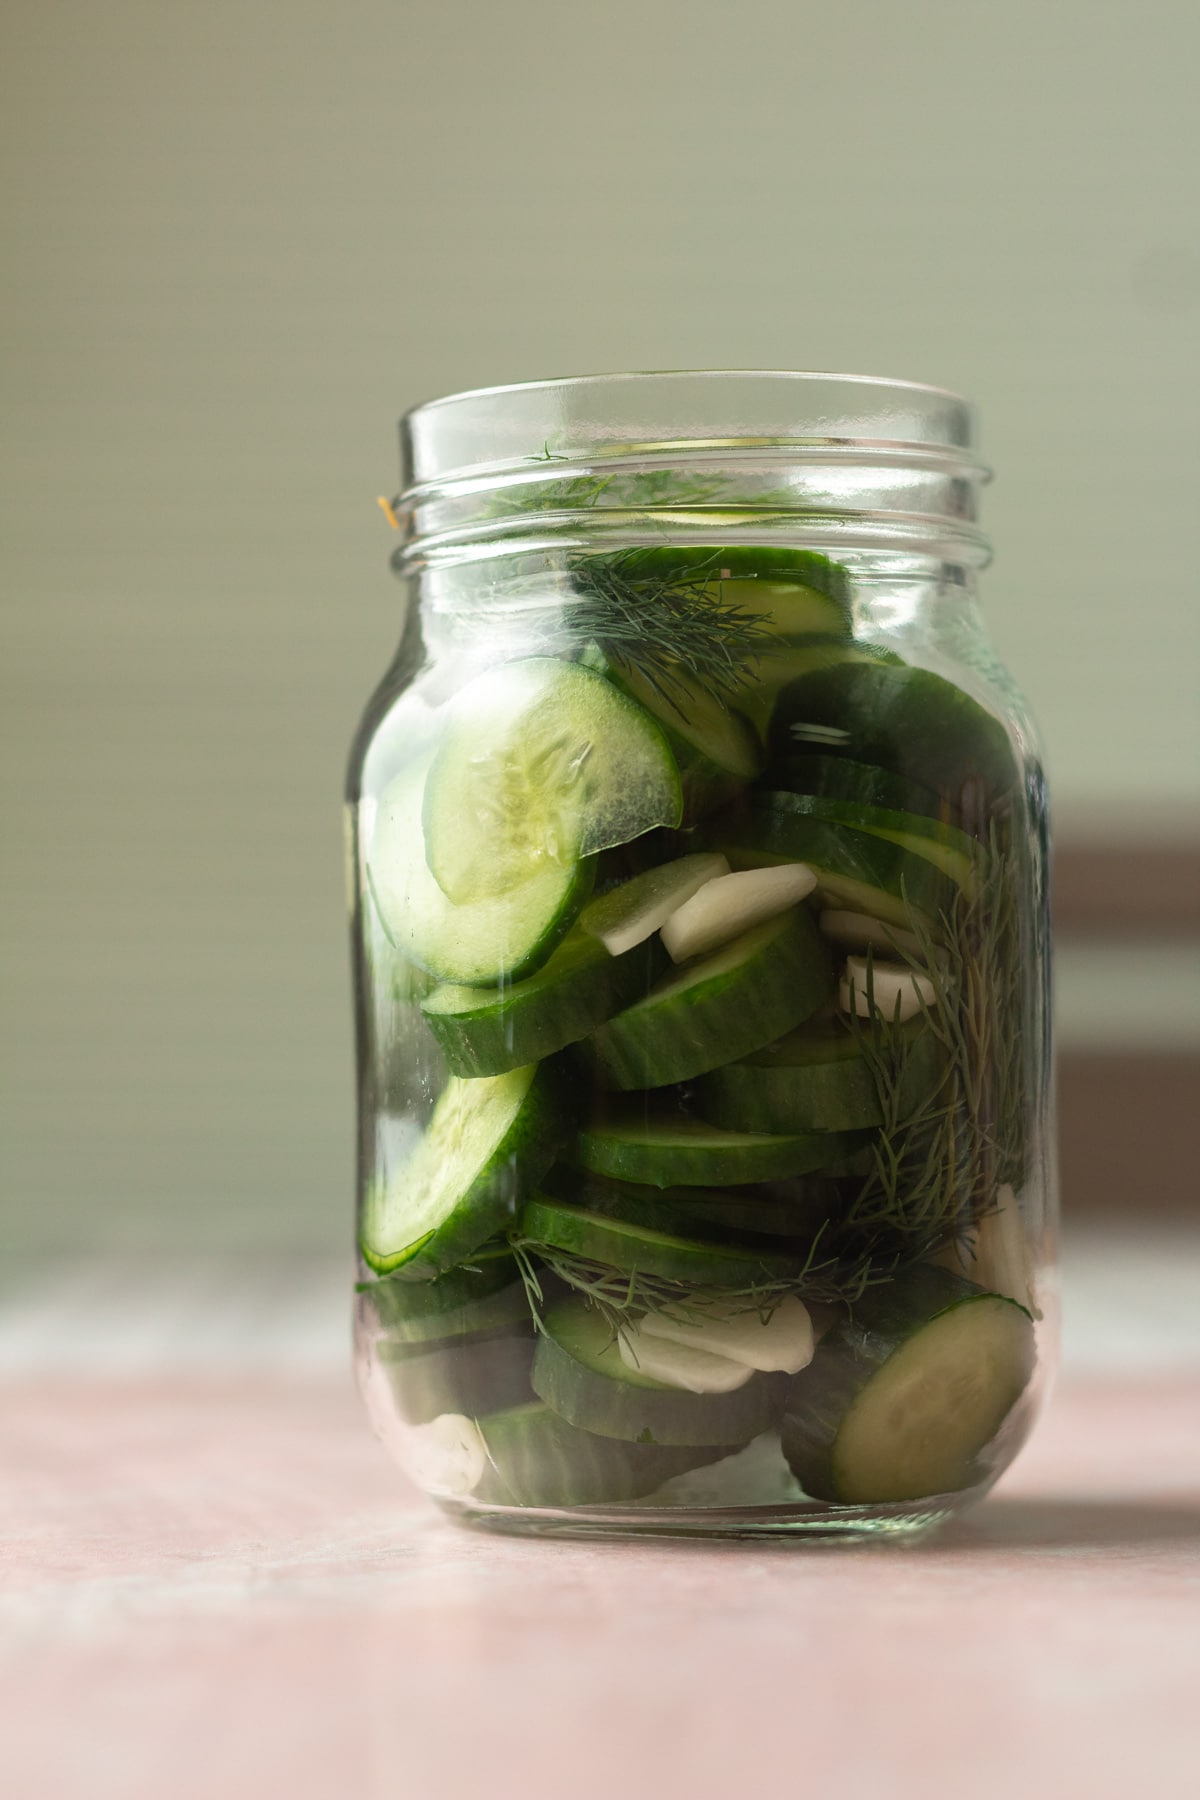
x,y
942,1154
676,628
623,490
623,1296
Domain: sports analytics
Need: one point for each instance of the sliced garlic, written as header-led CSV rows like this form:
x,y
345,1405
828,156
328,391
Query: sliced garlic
x,y
679,1365
783,1341
898,991
858,931
722,909
446,1456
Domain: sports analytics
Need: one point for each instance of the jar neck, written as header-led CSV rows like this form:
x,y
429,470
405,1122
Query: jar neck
x,y
875,474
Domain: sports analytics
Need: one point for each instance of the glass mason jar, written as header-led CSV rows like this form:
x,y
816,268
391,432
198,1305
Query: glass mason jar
x,y
706,1175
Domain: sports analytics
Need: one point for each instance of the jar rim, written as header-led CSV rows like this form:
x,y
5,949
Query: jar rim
x,y
901,383
865,458
566,418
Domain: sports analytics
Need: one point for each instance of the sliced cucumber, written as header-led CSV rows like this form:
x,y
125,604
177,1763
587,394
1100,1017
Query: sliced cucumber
x,y
486,1031
731,904
678,1152
712,567
487,1143
947,848
841,778
854,869
738,1217
627,915
794,1210
901,1401
744,995
637,1248
544,764
493,939
710,741
908,720
578,1371
482,1296
819,1078
479,1374
534,1458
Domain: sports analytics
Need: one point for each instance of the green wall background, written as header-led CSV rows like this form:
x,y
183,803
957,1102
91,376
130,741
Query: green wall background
x,y
243,237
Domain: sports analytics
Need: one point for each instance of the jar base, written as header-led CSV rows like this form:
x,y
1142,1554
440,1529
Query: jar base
x,y
804,1522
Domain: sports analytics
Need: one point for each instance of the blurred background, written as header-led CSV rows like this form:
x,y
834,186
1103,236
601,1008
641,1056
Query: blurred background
x,y
244,236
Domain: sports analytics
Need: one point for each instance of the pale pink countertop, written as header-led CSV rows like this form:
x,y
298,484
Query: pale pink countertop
x,y
215,1584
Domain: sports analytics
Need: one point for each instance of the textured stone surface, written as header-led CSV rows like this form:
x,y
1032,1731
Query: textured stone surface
x,y
217,1585
214,1584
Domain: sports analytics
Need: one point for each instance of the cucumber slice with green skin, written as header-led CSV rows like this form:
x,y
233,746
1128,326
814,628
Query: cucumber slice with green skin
x,y
578,1371
495,939
485,1295
484,1373
905,719
486,1031
901,1400
793,615
675,1152
629,914
855,870
534,1458
746,564
487,1143
637,1248
544,763
793,1210
947,848
710,741
840,778
741,1217
746,994
818,1079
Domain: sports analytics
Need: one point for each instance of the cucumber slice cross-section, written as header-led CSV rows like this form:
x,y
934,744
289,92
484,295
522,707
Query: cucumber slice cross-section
x,y
579,1372
841,778
635,1247
902,1399
744,995
906,719
854,869
481,1373
486,1144
535,1458
544,763
484,1295
673,1151
820,1078
502,936
485,1031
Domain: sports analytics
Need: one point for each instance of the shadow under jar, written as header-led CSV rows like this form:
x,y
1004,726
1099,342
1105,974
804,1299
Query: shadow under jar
x,y
700,937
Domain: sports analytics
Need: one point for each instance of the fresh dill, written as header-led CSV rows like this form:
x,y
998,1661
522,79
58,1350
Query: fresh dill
x,y
942,1154
677,628
623,1296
